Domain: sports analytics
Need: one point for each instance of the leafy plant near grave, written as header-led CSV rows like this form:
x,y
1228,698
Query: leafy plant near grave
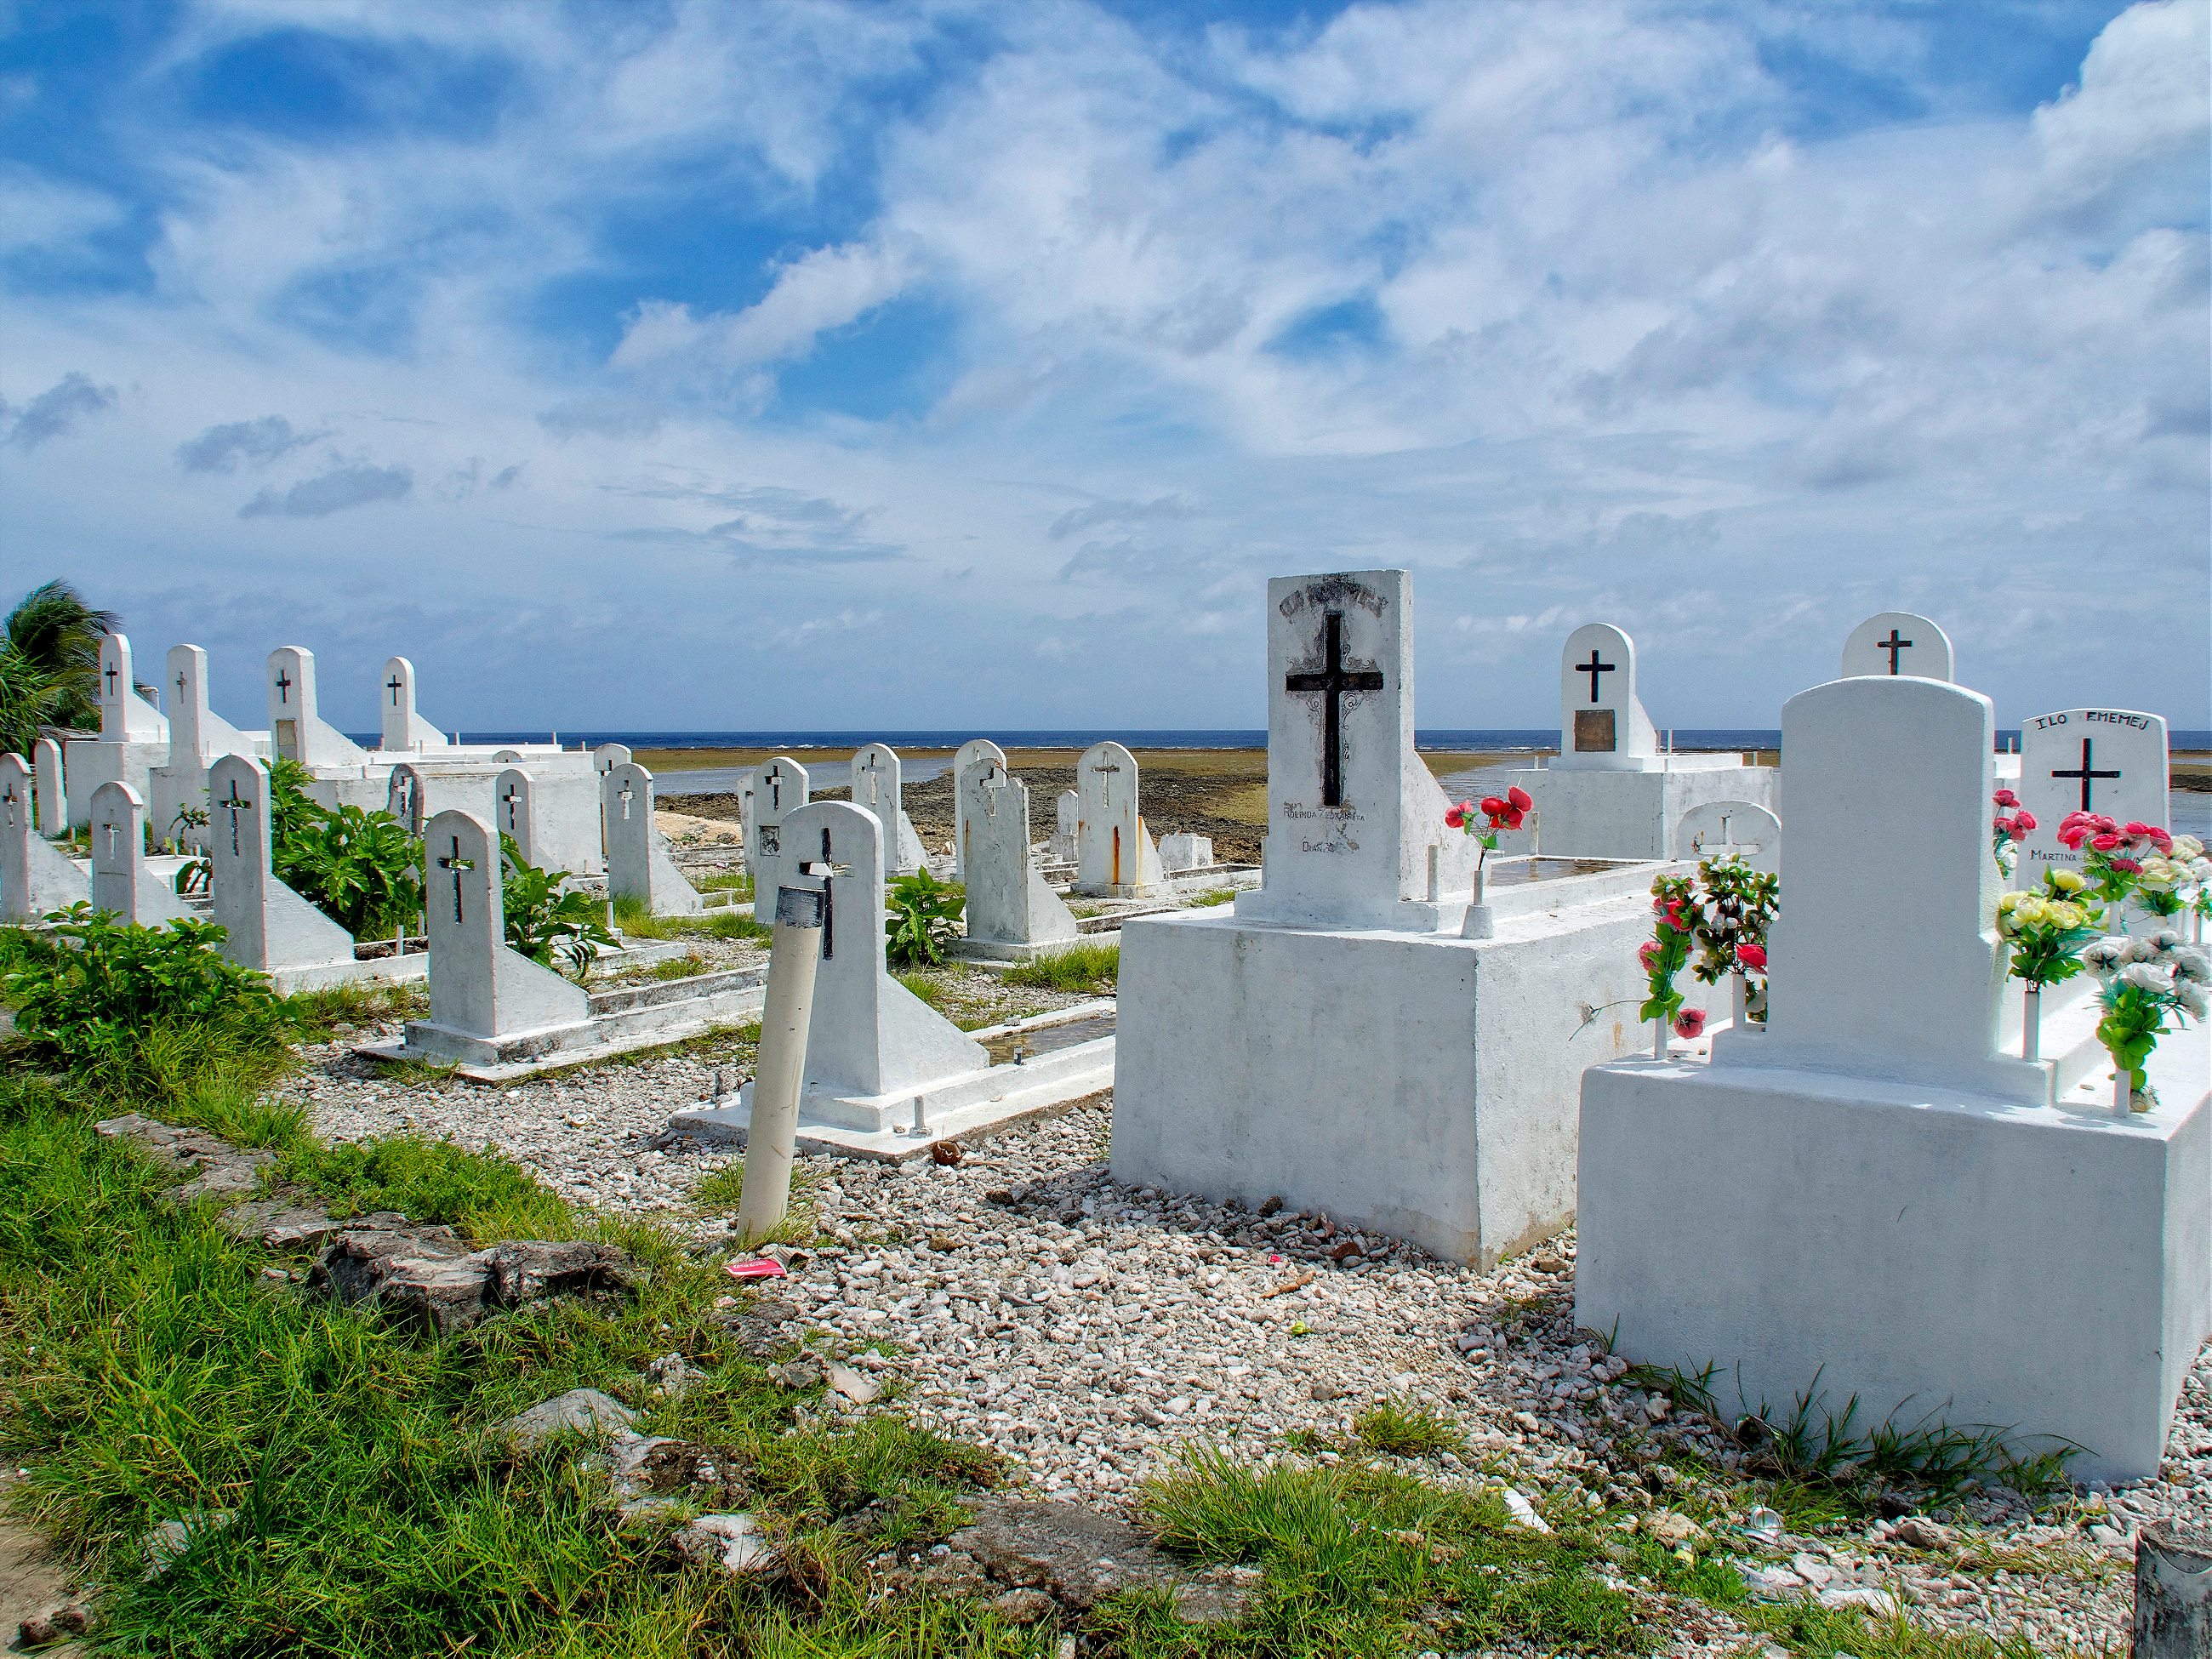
x,y
135,1011
922,922
1739,906
546,919
360,868
2049,929
1674,904
2145,981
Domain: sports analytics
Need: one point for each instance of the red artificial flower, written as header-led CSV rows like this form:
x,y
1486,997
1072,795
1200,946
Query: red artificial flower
x,y
1492,807
2137,827
1519,799
1513,816
1648,953
2073,835
1690,1023
2127,865
2104,841
2001,825
2006,798
1456,818
1752,956
2022,822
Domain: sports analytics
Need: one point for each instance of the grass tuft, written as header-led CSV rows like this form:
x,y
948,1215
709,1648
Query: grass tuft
x,y
1093,968
1406,1430
482,1197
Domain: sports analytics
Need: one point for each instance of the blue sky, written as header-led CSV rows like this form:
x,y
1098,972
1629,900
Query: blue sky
x,y
811,364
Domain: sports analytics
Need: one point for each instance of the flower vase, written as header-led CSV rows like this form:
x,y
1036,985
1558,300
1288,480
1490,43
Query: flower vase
x,y
1739,1002
1659,1039
2123,1092
1478,924
2031,1025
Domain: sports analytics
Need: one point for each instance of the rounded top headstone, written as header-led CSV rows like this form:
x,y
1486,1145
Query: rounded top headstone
x,y
1898,644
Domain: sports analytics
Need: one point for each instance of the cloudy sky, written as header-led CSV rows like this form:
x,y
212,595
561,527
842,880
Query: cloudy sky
x,y
901,366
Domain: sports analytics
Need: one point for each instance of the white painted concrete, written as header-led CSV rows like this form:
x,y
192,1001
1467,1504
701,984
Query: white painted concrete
x,y
1009,903
36,876
199,737
780,788
975,750
1114,856
404,731
268,926
1616,814
125,715
1186,851
639,866
50,815
1726,828
2122,751
297,730
121,882
1898,643
1602,724
877,788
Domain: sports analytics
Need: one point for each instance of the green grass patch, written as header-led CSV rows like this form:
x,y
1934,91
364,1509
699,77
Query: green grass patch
x,y
482,1197
717,1194
740,882
1212,897
1406,1430
926,986
1093,968
734,923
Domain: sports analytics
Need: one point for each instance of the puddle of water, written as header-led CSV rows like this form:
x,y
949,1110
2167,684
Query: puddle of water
x,y
1047,1039
1513,871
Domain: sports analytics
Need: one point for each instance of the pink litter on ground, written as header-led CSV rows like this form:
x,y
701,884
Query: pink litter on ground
x,y
758,1266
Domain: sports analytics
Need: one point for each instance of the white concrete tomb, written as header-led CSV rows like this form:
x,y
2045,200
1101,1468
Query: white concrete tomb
x,y
47,774
405,730
877,788
134,735
2111,761
36,876
780,788
297,731
1011,911
975,750
639,866
121,882
1725,828
1114,856
1898,644
199,737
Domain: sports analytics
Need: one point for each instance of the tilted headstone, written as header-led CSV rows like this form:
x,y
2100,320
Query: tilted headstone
x,y
512,813
1008,902
120,880
1602,725
1724,829
405,730
638,863
36,876
975,750
1065,810
406,797
1356,833
1885,958
1897,645
2111,761
297,730
1113,851
479,987
46,772
778,789
125,716
267,925
877,788
870,1035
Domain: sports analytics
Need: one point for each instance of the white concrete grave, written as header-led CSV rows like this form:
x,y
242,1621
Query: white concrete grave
x,y
1114,856
1181,853
134,735
297,731
877,788
36,876
1612,791
268,926
880,1060
968,753
1897,645
405,730
638,862
199,737
52,816
2111,761
1872,1199
1066,811
780,788
1725,828
512,815
1013,912
121,880
1334,1043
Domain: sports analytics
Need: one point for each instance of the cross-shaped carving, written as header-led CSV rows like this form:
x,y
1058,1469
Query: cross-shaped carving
x,y
2086,772
1331,682
395,685
1893,645
828,869
109,829
111,680
1594,668
773,778
622,795
454,862
180,683
284,686
235,805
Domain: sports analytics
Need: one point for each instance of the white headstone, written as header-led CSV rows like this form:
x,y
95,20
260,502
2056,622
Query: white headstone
x,y
638,863
1065,810
1008,902
870,1035
406,797
1885,959
1113,851
975,750
1181,853
52,803
120,881
195,731
1898,645
36,877
1602,725
479,987
511,814
125,716
2111,761
1720,829
267,925
404,729
1356,833
297,730
877,788
609,756
778,790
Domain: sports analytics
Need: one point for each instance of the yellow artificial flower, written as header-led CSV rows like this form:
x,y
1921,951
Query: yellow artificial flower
x,y
2068,881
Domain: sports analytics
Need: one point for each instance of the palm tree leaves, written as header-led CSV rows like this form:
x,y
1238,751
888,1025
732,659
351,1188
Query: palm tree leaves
x,y
50,663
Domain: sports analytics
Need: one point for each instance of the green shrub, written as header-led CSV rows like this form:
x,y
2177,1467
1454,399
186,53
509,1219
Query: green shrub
x,y
546,919
923,910
1094,968
360,869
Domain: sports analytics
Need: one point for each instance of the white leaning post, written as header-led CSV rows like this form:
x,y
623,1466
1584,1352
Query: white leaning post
x,y
120,881
793,957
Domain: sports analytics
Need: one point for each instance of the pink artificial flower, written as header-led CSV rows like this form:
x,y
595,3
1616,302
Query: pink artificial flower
x,y
1752,956
2001,825
2137,827
2022,822
1519,799
1648,954
1690,1023
1456,818
1513,816
2127,865
2072,834
2006,798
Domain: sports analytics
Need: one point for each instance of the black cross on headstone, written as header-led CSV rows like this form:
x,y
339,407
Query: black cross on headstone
x,y
395,685
1594,668
828,869
1893,645
2088,773
111,679
1331,683
180,683
9,799
237,804
284,686
454,862
774,779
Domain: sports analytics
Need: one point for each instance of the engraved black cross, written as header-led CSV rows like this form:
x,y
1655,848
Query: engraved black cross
x,y
828,869
454,862
111,679
1594,668
1893,645
2088,773
1331,683
773,778
284,686
395,685
236,804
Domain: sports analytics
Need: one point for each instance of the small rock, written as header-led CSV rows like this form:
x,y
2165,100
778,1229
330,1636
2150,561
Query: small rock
x,y
999,1195
671,1376
54,1624
583,1411
1670,1528
734,1543
946,1152
169,1541
803,1372
1524,1512
844,1379
1268,1206
1023,1606
1922,1534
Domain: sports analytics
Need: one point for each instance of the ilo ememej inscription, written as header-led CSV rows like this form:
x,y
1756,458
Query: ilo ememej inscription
x,y
1327,682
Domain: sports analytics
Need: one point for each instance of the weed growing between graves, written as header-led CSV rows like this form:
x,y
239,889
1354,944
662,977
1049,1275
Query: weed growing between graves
x,y
1094,968
717,1194
1213,896
316,1015
921,920
740,882
637,922
1401,1430
483,1198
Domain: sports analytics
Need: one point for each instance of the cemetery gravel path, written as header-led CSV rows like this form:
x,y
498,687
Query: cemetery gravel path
x,y
1089,1332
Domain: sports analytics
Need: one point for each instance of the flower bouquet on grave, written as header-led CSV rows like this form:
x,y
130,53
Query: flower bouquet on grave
x,y
2112,853
1665,954
2048,929
1731,930
2007,830
1485,821
2144,981
2163,883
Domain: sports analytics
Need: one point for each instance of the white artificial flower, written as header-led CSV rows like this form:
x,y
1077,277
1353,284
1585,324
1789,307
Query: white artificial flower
x,y
2193,965
2191,998
2144,977
2104,957
2186,848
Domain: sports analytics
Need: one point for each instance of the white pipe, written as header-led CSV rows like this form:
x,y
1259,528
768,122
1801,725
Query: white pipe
x,y
794,953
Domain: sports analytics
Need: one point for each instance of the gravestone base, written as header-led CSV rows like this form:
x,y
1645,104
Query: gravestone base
x,y
1942,1256
373,970
622,1021
1417,1085
1620,813
974,1103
